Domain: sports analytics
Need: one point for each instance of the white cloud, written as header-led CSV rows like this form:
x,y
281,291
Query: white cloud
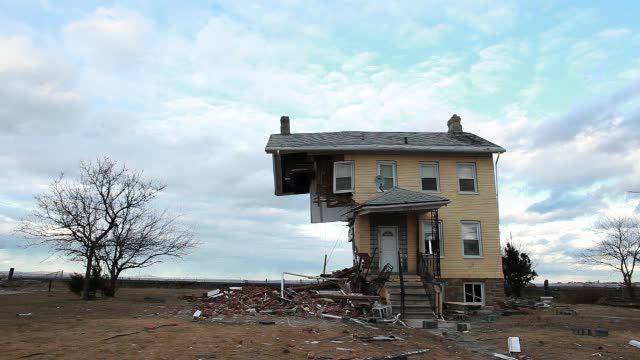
x,y
112,36
494,67
615,33
488,17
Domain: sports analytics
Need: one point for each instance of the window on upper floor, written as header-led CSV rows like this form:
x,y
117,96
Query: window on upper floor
x,y
343,177
467,181
387,169
431,246
471,239
429,177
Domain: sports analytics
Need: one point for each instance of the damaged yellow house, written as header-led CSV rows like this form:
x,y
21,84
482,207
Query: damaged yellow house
x,y
417,202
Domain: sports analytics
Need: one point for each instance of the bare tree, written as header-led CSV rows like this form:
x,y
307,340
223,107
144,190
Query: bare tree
x,y
141,239
74,217
619,248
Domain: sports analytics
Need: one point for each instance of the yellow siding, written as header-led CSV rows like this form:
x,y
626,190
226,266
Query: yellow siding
x,y
480,207
362,234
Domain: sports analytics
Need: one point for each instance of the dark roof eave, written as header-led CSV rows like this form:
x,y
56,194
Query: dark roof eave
x,y
399,148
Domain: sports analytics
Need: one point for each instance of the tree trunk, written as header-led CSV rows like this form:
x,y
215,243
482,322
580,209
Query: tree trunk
x,y
113,283
630,290
87,276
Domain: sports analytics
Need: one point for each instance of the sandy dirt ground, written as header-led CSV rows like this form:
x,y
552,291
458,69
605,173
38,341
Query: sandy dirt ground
x,y
545,335
64,327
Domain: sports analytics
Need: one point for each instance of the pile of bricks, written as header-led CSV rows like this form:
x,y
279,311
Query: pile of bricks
x,y
265,300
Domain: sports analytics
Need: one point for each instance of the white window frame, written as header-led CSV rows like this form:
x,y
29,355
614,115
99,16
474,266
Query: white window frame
x,y
478,231
423,243
464,293
475,177
393,168
437,167
353,177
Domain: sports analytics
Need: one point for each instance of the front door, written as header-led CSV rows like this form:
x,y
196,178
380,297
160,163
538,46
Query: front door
x,y
389,246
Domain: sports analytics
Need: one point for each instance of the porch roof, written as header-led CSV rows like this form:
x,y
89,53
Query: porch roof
x,y
401,200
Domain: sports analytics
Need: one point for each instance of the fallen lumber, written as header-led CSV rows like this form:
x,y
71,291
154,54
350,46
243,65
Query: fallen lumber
x,y
346,297
120,335
32,355
398,356
322,286
341,273
159,326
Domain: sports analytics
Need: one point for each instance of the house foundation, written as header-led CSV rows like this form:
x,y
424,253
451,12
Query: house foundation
x,y
493,290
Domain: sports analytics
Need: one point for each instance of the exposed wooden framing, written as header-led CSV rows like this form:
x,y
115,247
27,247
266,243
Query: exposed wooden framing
x,y
277,173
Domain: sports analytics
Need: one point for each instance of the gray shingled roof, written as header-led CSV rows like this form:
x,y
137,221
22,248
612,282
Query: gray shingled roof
x,y
397,196
376,141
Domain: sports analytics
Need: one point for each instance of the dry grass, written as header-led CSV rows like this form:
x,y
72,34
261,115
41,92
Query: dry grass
x,y
64,327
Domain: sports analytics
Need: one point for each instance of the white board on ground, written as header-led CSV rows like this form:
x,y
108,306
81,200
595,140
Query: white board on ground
x,y
514,344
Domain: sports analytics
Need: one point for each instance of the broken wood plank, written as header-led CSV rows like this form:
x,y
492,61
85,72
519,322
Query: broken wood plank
x,y
346,297
120,335
321,286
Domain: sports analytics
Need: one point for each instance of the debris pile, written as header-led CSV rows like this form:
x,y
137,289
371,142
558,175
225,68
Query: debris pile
x,y
265,300
345,293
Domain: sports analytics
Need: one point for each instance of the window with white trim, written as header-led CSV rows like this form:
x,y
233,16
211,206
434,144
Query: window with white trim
x,y
430,244
343,176
387,169
471,241
474,293
467,181
429,179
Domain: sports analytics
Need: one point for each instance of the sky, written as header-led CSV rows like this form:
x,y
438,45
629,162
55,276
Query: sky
x,y
188,92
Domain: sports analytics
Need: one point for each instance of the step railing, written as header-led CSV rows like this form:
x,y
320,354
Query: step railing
x,y
429,266
400,276
429,271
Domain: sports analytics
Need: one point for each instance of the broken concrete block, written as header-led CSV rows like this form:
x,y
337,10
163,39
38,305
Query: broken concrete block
x,y
566,312
213,293
546,299
589,332
601,332
430,324
153,300
463,326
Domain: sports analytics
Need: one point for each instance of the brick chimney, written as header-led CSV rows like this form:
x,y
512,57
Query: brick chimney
x,y
454,124
285,129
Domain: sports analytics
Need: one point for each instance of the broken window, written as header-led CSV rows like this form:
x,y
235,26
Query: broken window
x,y
431,246
429,176
467,178
471,238
343,176
473,293
387,169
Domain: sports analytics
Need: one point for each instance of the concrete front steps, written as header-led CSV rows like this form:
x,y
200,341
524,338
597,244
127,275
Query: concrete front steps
x,y
417,303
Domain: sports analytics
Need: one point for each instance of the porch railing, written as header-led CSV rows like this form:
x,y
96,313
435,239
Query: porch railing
x,y
429,265
401,276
